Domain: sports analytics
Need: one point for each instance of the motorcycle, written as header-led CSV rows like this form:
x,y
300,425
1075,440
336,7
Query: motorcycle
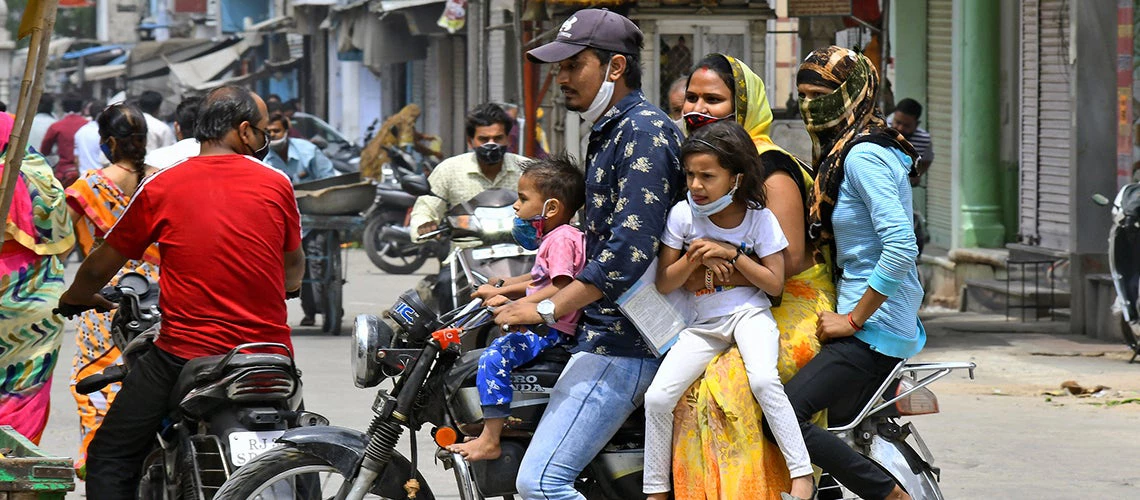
x,y
1123,241
387,237
229,408
434,383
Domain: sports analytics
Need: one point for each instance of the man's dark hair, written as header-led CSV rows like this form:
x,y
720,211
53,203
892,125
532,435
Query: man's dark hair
x,y
279,118
488,114
72,104
272,97
632,73
910,107
223,110
47,104
95,107
560,178
186,115
292,105
3,107
150,102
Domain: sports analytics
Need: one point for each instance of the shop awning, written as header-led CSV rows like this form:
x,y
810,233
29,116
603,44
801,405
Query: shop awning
x,y
394,5
265,70
195,72
90,51
151,59
104,72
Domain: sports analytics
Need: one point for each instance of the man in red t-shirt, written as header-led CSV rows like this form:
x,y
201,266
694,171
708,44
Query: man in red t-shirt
x,y
229,234
60,140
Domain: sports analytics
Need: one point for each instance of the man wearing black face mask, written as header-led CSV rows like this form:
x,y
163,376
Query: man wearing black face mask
x,y
229,235
460,178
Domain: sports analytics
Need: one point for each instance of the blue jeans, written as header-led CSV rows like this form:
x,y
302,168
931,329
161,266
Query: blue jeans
x,y
500,359
592,399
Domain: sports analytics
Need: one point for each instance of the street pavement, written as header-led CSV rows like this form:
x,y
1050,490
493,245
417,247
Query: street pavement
x,y
997,436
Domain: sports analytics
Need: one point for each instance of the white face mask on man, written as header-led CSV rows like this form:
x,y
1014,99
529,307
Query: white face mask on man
x,y
602,100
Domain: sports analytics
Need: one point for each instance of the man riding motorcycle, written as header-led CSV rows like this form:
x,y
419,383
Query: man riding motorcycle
x,y
460,178
229,234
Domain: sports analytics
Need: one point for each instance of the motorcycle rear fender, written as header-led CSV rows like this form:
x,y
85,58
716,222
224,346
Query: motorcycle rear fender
x,y
906,466
343,448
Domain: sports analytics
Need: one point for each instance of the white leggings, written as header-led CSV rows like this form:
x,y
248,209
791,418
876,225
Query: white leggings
x,y
755,332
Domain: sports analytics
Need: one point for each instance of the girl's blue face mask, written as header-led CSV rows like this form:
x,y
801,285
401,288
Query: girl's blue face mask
x,y
716,206
528,233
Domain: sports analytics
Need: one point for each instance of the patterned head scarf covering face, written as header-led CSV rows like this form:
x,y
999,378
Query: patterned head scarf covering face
x,y
849,115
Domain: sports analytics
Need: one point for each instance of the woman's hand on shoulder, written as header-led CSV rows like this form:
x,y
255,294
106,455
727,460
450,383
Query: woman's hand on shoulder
x,y
830,325
703,249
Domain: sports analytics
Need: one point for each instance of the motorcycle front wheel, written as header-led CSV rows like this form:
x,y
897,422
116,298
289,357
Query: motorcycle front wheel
x,y
288,473
387,255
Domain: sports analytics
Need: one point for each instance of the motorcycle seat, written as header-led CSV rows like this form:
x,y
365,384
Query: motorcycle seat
x,y
203,370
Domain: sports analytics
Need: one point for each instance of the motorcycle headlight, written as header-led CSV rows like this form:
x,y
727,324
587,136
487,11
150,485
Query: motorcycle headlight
x,y
369,334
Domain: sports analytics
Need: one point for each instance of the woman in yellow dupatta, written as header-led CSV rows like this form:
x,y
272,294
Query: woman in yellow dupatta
x,y
720,451
96,201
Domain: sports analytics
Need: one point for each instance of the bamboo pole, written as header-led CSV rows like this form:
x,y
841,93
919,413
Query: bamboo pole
x,y
31,89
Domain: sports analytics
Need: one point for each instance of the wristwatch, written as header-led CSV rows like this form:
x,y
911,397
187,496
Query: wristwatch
x,y
546,310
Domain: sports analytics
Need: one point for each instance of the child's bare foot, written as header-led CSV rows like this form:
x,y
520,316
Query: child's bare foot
x,y
481,448
803,487
657,496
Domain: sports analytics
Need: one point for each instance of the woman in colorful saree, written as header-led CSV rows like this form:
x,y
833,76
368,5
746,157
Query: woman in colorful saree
x,y
37,235
96,201
719,447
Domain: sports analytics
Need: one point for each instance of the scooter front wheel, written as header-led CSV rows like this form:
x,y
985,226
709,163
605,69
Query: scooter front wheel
x,y
1131,333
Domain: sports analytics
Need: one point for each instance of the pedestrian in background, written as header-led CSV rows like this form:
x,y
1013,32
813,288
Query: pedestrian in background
x,y
60,139
159,134
88,152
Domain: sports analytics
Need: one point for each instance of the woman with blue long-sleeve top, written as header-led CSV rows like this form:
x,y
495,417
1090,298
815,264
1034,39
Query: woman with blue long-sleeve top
x,y
861,208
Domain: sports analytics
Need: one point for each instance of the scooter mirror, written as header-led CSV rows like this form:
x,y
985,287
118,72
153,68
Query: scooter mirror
x,y
416,185
1100,199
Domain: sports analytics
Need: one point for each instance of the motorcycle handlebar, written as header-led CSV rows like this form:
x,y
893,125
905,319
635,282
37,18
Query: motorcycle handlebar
x,y
70,311
98,381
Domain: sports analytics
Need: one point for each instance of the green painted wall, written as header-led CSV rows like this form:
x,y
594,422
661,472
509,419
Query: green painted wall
x,y
981,171
908,46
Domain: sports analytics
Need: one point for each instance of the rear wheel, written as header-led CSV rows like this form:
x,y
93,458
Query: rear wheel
x,y
389,256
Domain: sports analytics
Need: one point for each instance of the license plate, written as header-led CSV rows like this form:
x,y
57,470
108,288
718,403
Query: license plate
x,y
245,445
500,251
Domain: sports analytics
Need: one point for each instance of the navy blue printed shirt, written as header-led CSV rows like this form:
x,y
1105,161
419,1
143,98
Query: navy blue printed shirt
x,y
633,176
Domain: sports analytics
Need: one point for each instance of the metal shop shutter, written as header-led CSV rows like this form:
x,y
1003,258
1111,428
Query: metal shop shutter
x,y
938,118
1046,125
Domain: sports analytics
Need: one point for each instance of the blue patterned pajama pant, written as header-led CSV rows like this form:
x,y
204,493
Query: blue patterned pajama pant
x,y
501,358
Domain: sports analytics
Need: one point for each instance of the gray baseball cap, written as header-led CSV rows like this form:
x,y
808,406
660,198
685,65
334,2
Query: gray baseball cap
x,y
594,28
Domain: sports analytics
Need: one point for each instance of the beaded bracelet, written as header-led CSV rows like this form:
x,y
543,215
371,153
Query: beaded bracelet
x,y
709,279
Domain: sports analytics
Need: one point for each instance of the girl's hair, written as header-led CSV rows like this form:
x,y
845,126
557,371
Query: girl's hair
x,y
123,126
735,152
719,64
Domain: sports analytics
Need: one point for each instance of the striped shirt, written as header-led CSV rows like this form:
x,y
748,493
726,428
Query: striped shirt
x,y
920,139
875,246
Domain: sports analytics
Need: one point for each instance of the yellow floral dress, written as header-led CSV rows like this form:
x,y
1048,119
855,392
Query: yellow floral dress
x,y
719,448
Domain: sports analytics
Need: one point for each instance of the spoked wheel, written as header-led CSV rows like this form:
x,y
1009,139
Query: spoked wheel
x,y
1131,333
286,473
388,255
334,287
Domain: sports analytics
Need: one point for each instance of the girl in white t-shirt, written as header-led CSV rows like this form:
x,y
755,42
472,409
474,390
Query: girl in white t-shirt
x,y
722,227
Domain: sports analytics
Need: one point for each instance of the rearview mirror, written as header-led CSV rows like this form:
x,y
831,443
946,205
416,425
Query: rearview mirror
x,y
415,185
320,142
1100,199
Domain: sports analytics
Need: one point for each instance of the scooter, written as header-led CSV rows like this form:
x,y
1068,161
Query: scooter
x,y
1124,260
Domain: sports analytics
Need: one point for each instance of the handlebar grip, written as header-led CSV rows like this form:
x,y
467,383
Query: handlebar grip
x,y
98,381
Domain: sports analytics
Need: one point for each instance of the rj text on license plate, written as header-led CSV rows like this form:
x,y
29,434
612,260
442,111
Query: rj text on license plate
x,y
245,445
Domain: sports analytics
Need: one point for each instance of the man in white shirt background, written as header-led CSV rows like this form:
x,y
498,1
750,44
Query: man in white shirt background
x,y
158,133
87,151
185,121
41,122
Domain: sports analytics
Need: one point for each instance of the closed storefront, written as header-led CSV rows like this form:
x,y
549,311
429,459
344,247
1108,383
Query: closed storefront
x,y
939,121
1046,125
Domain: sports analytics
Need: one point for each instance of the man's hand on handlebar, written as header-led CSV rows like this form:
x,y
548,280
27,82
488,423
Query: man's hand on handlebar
x,y
516,315
485,292
496,301
70,307
427,227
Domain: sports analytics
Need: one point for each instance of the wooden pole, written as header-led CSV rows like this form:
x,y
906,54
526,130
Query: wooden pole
x,y
31,89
